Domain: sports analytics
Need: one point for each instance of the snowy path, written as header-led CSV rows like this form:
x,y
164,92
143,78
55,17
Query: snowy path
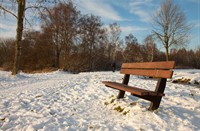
x,y
63,101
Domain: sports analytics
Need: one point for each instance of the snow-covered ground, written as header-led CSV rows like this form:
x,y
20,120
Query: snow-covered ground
x,y
63,101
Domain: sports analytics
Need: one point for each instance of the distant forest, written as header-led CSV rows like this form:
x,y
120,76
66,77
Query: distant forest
x,y
75,42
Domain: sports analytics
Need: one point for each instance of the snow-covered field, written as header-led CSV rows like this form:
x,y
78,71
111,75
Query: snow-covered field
x,y
63,101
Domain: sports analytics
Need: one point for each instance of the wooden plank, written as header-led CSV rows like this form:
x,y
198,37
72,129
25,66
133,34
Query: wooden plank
x,y
150,65
133,90
152,73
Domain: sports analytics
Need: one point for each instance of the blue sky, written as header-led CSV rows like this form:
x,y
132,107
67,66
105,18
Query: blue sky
x,y
134,16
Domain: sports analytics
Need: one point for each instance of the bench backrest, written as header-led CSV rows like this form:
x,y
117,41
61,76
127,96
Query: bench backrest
x,y
152,69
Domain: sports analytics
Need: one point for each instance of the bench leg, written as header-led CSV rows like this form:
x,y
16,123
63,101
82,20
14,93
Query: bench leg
x,y
155,101
160,89
121,94
155,104
125,81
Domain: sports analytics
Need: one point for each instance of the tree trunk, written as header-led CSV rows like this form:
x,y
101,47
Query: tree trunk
x,y
114,53
57,57
167,53
19,31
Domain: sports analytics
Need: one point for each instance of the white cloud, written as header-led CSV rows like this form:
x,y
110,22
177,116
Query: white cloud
x,y
9,34
7,26
138,31
195,1
143,15
142,9
197,24
100,8
131,29
139,2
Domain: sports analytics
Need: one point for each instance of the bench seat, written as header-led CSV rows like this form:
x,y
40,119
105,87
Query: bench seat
x,y
131,89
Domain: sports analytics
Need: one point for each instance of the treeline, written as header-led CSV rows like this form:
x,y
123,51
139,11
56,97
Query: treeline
x,y
186,58
75,42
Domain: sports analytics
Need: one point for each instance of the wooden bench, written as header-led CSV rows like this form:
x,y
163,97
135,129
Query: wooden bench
x,y
159,70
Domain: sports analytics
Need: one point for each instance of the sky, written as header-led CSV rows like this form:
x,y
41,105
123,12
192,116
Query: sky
x,y
133,16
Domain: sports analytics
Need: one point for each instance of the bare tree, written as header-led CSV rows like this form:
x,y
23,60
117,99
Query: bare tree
x,y
133,50
20,16
150,47
90,32
115,33
62,22
169,25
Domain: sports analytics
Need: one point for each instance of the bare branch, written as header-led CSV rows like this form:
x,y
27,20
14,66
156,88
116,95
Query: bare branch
x,y
4,9
36,7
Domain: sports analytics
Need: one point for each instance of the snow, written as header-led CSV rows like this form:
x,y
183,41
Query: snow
x,y
60,101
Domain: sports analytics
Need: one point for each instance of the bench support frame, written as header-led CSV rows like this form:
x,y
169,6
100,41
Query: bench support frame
x,y
160,88
159,70
155,100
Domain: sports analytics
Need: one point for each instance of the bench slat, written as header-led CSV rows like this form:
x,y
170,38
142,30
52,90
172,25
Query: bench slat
x,y
133,90
152,73
150,65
